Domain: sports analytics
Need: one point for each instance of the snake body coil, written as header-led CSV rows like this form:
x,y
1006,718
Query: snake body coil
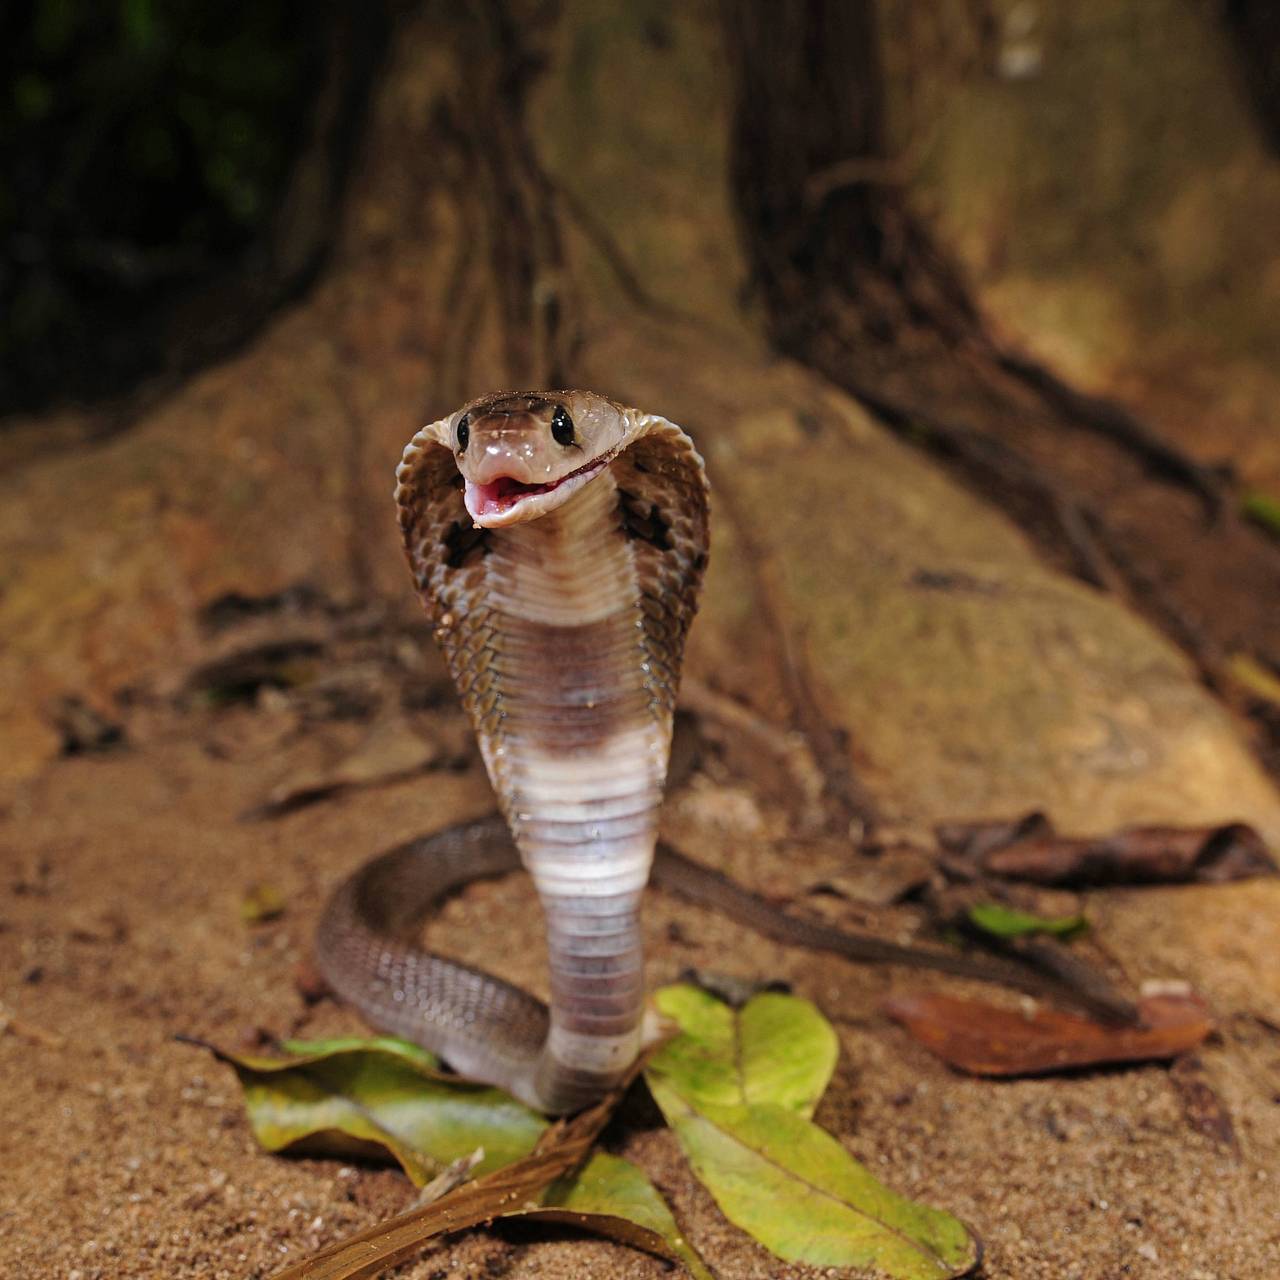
x,y
558,542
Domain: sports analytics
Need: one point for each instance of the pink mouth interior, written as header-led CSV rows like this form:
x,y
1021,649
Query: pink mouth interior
x,y
502,493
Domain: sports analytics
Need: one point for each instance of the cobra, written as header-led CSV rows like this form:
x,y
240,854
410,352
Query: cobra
x,y
558,542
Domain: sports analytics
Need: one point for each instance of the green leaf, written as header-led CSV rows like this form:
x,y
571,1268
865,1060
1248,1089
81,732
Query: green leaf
x,y
347,1097
738,1089
796,1190
1252,675
777,1049
612,1197
1263,509
313,1050
1006,922
354,1095
261,902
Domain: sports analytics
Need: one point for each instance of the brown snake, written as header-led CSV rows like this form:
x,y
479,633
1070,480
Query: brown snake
x,y
558,542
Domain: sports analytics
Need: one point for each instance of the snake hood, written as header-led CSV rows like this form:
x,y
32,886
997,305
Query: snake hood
x,y
524,455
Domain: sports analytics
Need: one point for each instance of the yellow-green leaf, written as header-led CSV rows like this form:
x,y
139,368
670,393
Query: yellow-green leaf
x,y
1263,509
612,1197
261,902
796,1190
347,1097
776,1049
1251,675
1007,922
738,1089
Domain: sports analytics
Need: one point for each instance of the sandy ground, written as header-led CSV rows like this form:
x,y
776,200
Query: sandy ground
x,y
126,1154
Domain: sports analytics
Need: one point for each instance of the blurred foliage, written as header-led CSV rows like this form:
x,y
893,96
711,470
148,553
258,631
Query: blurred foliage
x,y
144,144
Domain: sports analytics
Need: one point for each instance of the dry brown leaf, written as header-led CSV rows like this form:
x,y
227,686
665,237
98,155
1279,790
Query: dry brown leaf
x,y
878,881
1030,849
1203,1106
987,1040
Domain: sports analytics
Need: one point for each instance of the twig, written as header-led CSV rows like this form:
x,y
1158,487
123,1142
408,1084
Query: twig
x,y
20,1027
449,1178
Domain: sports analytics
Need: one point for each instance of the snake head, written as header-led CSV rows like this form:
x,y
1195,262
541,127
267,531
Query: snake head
x,y
523,455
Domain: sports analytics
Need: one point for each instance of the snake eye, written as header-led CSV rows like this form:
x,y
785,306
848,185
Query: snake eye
x,y
562,426
464,432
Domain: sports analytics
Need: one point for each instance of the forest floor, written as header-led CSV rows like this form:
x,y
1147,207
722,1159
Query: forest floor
x,y
129,1154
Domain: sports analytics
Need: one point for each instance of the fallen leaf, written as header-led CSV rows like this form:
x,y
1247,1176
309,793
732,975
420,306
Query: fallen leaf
x,y
1252,676
1263,509
1029,849
1007,922
261,902
976,839
879,881
738,1088
1139,855
989,1040
777,1049
380,1096
383,1095
796,1190
1201,1104
562,1149
612,1197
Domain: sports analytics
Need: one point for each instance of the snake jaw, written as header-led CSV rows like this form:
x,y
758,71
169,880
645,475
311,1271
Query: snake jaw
x,y
506,500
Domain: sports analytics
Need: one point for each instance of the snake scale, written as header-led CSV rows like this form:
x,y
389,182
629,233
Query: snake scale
x,y
558,542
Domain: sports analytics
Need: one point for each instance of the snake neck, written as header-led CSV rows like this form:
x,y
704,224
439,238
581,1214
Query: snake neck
x,y
577,754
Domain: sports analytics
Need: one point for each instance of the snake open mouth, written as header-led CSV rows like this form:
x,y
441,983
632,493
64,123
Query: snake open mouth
x,y
501,495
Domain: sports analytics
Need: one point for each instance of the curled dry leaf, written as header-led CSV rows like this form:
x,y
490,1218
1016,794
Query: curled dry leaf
x,y
1030,849
1202,1105
878,881
988,1040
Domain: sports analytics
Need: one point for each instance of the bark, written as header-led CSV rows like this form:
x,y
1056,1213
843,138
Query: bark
x,y
856,286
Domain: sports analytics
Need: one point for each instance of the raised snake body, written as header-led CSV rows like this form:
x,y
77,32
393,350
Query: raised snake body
x,y
558,541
